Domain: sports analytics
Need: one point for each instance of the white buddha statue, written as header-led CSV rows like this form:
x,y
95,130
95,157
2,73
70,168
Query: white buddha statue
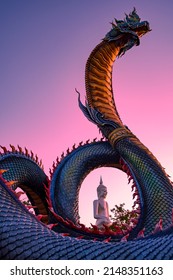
x,y
101,210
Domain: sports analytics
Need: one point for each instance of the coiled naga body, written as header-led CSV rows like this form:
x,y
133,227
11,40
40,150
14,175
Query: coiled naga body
x,y
54,230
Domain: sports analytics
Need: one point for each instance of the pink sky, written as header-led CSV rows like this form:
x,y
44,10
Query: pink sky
x,y
44,49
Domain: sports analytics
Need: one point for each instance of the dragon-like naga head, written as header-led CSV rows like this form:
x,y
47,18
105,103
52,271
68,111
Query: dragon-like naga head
x,y
132,27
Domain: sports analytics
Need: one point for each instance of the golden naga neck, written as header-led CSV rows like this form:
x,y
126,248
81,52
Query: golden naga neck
x,y
98,80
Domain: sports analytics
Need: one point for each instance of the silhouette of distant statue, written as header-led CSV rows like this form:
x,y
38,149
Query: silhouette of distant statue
x,y
101,210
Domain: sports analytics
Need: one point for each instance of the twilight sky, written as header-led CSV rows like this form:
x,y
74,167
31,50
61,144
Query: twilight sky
x,y
44,48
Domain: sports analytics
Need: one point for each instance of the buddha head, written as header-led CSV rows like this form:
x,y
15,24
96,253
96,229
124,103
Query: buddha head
x,y
101,189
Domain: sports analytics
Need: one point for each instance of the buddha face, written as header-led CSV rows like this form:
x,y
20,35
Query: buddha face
x,y
102,191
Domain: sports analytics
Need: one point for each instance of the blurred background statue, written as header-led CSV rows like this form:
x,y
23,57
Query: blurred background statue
x,y
101,209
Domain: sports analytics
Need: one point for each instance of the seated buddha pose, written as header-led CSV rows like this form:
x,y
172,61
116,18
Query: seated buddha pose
x,y
101,211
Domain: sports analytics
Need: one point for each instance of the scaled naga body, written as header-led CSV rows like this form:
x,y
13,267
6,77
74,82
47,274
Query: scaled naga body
x,y
59,234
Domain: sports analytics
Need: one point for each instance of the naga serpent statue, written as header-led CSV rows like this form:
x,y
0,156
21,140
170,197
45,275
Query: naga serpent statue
x,y
54,230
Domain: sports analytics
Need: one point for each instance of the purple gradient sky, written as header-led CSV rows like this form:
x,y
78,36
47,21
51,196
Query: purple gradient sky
x,y
44,48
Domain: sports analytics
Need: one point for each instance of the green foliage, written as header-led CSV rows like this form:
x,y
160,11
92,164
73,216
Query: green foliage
x,y
122,218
